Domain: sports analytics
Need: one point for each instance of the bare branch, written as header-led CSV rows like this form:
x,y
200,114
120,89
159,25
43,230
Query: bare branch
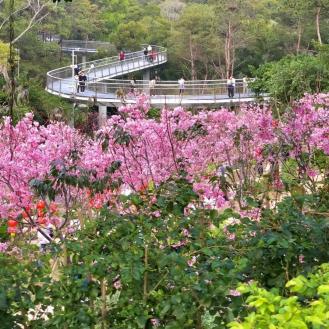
x,y
14,13
32,23
37,7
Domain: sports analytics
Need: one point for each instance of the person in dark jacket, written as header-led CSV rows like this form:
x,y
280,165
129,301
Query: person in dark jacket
x,y
77,69
82,81
145,51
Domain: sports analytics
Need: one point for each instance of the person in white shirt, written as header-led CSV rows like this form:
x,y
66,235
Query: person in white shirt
x,y
245,85
149,52
132,85
181,83
152,87
231,86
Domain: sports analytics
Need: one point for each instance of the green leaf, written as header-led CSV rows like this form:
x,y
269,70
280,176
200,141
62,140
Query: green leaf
x,y
323,289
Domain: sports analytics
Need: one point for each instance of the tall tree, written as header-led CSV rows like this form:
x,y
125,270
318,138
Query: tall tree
x,y
231,16
297,10
194,39
317,6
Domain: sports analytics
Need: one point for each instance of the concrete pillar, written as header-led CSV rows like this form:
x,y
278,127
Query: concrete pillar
x,y
102,115
146,81
84,60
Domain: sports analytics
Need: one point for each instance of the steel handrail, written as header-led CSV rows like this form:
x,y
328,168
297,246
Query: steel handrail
x,y
110,67
105,61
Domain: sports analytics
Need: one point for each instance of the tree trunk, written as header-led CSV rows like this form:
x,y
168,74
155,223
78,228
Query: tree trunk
x,y
228,51
318,9
299,36
104,308
193,71
11,60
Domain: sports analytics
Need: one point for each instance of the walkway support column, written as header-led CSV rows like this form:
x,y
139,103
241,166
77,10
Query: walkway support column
x,y
84,60
102,115
146,81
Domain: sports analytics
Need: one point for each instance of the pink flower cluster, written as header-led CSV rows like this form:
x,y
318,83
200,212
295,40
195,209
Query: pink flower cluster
x,y
3,247
151,151
26,152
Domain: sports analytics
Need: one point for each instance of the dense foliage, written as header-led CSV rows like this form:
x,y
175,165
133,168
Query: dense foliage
x,y
156,221
167,218
306,308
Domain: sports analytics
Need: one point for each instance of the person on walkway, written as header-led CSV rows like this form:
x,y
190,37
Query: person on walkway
x,y
149,51
77,69
181,83
245,81
152,87
82,81
132,86
77,83
122,55
231,86
145,53
151,56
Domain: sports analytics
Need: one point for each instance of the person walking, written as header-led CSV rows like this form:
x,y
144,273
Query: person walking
x,y
231,86
77,69
181,83
82,81
122,55
245,85
151,56
145,53
152,87
149,51
132,86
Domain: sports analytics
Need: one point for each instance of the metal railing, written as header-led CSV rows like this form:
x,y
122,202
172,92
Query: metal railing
x,y
61,82
191,87
210,90
58,80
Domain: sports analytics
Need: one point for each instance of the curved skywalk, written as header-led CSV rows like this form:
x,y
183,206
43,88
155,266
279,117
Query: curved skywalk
x,y
103,88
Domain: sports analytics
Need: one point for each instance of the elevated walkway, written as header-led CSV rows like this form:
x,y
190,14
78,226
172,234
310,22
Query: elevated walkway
x,y
104,89
61,81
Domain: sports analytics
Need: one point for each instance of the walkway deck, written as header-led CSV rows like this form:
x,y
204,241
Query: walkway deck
x,y
102,88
